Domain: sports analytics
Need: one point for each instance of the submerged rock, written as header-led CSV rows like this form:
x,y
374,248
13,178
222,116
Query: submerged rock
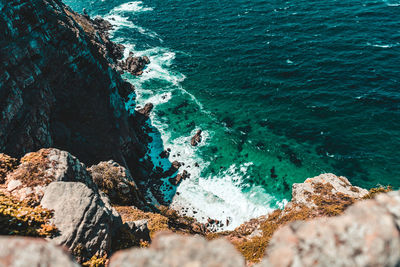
x,y
25,251
85,219
171,250
367,234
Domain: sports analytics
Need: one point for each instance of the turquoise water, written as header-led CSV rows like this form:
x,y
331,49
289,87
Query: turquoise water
x,y
283,90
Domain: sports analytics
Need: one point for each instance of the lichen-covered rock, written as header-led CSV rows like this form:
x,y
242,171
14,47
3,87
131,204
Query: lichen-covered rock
x,y
27,252
85,218
38,169
171,250
7,164
117,183
322,185
367,234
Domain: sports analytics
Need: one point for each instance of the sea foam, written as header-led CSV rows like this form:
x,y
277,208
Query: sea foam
x,y
223,196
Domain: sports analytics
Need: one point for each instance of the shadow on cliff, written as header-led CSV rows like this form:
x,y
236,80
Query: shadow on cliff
x,y
163,175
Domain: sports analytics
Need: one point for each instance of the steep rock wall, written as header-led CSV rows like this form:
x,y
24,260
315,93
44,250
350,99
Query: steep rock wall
x,y
59,88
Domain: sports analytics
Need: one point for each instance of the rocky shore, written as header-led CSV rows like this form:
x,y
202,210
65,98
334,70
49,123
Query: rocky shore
x,y
77,187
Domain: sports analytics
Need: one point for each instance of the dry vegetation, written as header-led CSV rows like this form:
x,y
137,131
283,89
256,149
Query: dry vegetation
x,y
19,218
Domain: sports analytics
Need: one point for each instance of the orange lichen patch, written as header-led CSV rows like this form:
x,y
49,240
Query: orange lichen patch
x,y
166,220
32,171
19,218
377,190
7,164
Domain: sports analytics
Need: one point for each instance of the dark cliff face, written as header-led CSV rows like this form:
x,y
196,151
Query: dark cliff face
x,y
58,87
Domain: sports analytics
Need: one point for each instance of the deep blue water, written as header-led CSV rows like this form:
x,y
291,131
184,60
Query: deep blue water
x,y
284,90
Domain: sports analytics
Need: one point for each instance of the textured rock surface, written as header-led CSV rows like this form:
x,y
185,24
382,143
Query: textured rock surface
x,y
171,250
59,88
38,169
117,182
339,184
85,219
367,234
27,252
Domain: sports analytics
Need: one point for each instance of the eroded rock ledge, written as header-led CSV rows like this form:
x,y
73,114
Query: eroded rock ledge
x,y
329,222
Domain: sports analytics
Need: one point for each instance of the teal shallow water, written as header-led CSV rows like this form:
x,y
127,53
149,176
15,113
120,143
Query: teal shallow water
x,y
284,90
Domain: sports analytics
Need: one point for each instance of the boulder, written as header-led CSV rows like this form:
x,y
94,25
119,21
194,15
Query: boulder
x,y
38,169
85,218
25,251
117,182
322,185
196,139
367,234
171,250
181,176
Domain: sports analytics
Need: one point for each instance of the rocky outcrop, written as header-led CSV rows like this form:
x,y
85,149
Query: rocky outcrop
x,y
25,251
172,250
117,182
59,87
196,139
85,219
134,65
320,186
38,169
367,234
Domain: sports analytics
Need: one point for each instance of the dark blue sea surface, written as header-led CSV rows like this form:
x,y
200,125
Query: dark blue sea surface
x,y
284,90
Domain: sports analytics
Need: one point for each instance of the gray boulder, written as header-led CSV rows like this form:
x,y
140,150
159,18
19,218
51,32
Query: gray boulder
x,y
367,234
27,252
84,217
171,250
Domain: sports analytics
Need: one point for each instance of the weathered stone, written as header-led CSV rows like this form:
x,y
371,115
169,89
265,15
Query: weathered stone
x,y
26,252
171,250
85,218
367,234
117,183
312,186
38,169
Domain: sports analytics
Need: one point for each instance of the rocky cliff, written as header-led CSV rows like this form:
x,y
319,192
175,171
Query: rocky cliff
x,y
59,87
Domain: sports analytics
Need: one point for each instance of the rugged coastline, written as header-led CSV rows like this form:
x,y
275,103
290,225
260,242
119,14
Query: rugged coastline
x,y
95,193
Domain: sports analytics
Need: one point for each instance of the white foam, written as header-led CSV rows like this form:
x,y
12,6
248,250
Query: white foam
x,y
223,196
135,6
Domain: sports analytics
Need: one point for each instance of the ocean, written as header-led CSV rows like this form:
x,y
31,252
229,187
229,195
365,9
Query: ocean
x,y
283,91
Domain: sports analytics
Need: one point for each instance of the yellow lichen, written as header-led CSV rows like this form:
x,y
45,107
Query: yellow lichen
x,y
19,218
96,261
